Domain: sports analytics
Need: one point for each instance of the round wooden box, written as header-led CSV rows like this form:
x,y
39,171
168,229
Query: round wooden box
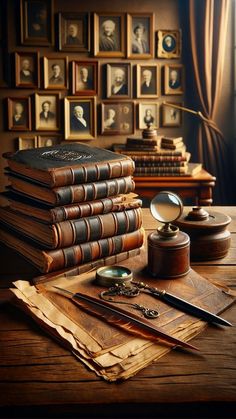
x,y
209,237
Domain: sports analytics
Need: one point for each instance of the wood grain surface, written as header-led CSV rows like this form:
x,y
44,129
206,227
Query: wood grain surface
x,y
39,378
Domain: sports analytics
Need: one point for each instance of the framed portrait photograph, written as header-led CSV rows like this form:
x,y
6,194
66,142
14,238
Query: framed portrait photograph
x,y
85,78
118,80
27,142
55,72
148,115
80,118
19,113
74,32
174,79
118,118
147,81
47,112
140,43
169,44
171,117
48,140
27,70
37,22
109,30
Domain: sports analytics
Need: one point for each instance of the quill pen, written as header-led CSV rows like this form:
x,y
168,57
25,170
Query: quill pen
x,y
119,317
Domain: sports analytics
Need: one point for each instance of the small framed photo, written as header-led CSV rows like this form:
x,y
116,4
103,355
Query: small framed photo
x,y
118,80
169,44
37,22
85,78
80,118
48,140
27,142
147,81
118,118
109,29
27,69
171,117
47,112
19,114
140,43
74,32
148,115
55,70
174,79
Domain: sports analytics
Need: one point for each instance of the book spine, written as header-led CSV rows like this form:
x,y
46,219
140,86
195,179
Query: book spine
x,y
171,146
158,159
86,267
92,191
170,174
160,165
87,252
70,233
160,170
92,173
87,209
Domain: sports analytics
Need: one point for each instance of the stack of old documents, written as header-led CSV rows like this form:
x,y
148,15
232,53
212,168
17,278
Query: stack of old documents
x,y
109,351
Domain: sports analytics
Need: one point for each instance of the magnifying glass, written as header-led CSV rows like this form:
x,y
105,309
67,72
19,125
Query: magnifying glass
x,y
108,276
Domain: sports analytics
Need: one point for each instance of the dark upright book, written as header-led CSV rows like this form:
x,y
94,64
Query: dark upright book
x,y
69,164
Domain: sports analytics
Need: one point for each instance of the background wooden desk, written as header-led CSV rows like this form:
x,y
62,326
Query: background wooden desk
x,y
198,187
38,378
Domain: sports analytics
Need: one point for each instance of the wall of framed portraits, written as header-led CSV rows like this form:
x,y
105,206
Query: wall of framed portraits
x,y
89,71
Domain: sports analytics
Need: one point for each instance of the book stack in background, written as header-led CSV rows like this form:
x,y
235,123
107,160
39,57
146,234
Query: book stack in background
x,y
164,156
71,206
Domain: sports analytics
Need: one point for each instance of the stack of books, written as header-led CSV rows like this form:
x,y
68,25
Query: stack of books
x,y
165,156
71,206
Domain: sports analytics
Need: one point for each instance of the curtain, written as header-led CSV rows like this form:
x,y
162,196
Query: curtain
x,y
207,20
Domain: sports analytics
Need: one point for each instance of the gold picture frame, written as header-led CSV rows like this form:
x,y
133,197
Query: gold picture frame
x,y
171,117
27,142
117,118
47,111
148,80
46,140
148,114
19,113
118,80
37,22
74,32
55,72
109,32
169,43
85,78
27,73
140,35
80,118
173,79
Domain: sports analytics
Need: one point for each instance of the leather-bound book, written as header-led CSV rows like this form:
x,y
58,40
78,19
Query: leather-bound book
x,y
71,232
54,260
46,213
64,195
69,164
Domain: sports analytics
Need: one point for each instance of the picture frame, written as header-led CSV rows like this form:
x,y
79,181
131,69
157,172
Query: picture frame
x,y
37,22
171,117
46,140
55,72
27,142
109,35
118,80
174,79
27,70
117,118
19,113
74,32
85,78
169,43
80,118
148,113
147,81
140,42
47,111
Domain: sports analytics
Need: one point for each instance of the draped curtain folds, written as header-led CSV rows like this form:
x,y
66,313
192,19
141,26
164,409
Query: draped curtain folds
x,y
207,30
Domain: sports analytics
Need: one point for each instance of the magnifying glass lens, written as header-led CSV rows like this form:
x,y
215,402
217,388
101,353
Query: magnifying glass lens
x,y
111,275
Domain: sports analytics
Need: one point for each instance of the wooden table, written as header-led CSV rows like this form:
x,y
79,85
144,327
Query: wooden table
x,y
198,187
40,378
